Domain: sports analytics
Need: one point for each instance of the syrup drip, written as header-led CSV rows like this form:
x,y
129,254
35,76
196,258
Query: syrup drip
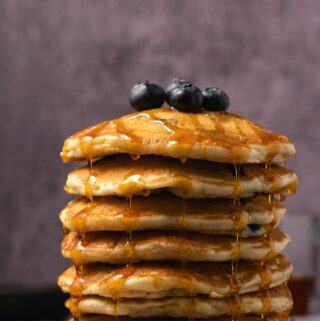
x,y
185,253
75,255
183,159
293,188
266,304
240,221
282,197
270,198
183,220
73,305
85,144
132,183
235,284
183,224
129,218
115,284
236,253
191,308
116,309
135,156
77,285
267,237
238,188
265,274
79,220
235,307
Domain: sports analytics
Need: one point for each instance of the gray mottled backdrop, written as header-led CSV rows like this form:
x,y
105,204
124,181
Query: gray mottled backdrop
x,y
69,64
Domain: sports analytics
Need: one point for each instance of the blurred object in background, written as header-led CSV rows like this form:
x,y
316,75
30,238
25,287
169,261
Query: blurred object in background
x,y
301,288
303,253
32,303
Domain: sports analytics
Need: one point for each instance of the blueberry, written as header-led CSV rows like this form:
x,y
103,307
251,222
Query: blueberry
x,y
215,99
146,95
186,98
177,82
254,227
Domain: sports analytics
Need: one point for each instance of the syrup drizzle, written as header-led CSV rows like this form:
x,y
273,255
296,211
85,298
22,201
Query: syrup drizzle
x,y
79,220
266,304
191,308
130,219
209,128
238,188
116,283
235,306
183,219
265,273
132,183
240,222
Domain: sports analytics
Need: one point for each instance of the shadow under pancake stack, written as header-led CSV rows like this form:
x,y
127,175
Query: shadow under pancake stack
x,y
177,219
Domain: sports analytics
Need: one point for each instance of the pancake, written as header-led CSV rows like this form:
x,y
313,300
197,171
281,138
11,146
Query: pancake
x,y
117,248
218,137
120,175
281,316
168,212
158,280
274,300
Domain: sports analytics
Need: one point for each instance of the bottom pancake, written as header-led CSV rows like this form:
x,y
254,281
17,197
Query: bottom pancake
x,y
274,300
281,316
167,279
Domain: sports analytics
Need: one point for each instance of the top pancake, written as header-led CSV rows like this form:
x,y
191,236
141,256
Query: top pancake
x,y
218,137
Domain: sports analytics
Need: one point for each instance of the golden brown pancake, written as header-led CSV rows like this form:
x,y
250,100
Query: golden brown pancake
x,y
274,300
167,279
122,176
168,212
218,137
280,316
116,247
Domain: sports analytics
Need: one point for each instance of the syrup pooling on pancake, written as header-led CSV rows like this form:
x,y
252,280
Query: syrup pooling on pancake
x,y
218,137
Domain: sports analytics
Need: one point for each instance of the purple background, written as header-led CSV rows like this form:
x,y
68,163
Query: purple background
x,y
65,65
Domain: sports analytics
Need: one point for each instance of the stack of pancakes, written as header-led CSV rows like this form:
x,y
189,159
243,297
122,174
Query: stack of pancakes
x,y
178,219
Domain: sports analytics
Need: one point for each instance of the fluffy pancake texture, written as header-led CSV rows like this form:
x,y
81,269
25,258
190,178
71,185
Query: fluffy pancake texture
x,y
279,299
218,137
158,280
120,175
167,212
114,247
